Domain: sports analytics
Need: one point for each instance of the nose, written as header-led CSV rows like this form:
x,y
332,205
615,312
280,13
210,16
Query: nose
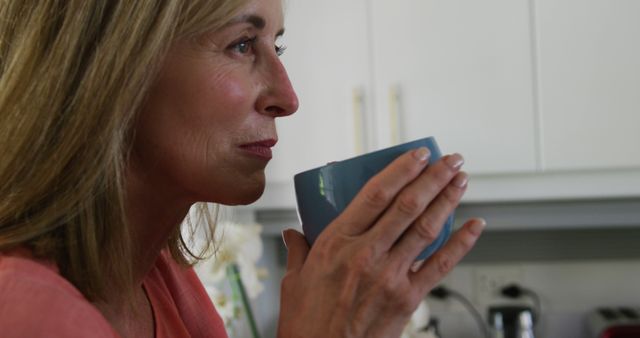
x,y
278,98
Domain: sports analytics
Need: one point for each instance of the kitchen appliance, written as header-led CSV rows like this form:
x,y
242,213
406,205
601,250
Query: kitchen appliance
x,y
511,321
614,322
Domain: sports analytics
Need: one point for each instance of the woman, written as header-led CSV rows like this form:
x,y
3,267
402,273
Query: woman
x,y
117,116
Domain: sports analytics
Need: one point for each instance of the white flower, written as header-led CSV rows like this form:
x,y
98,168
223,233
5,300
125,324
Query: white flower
x,y
419,320
238,244
225,306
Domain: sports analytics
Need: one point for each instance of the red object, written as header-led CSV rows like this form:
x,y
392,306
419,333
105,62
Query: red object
x,y
36,301
621,332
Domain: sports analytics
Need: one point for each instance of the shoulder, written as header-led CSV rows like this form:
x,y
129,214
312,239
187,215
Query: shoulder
x,y
180,284
180,289
35,301
177,278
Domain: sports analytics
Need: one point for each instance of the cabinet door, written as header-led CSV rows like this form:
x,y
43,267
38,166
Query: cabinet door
x,y
589,83
327,61
459,70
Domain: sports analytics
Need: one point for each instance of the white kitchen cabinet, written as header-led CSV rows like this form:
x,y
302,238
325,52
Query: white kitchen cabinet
x,y
589,56
327,59
541,96
460,70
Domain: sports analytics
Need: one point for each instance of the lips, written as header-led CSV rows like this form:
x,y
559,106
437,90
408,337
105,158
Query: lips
x,y
261,149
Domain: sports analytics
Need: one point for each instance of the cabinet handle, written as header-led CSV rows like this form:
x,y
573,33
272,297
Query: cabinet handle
x,y
394,114
358,120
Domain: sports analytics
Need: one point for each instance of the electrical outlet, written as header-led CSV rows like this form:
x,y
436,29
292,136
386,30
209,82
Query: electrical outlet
x,y
448,305
488,280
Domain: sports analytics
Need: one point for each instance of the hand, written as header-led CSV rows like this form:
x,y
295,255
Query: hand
x,y
359,279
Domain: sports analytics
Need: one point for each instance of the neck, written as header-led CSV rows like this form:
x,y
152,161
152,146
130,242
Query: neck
x,y
154,212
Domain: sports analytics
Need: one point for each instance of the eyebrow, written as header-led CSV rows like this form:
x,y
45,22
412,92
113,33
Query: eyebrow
x,y
256,21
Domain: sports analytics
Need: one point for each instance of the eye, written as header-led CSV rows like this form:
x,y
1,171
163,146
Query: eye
x,y
280,49
244,46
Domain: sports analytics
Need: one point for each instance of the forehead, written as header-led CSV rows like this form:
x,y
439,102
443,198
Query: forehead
x,y
267,14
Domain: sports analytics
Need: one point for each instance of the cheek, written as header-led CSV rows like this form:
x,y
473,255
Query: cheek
x,y
210,114
190,127
217,102
230,91
198,108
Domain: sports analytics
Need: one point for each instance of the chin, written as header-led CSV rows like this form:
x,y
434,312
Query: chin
x,y
244,194
249,198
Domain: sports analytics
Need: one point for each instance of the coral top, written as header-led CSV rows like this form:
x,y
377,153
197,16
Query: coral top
x,y
36,301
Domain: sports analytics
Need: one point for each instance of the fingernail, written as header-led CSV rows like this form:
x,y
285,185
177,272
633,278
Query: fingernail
x,y
421,154
284,238
477,226
461,180
455,161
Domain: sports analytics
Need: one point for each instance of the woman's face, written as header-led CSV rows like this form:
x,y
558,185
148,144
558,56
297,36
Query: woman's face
x,y
208,124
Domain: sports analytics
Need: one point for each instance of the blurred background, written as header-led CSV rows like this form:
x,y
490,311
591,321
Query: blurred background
x,y
542,97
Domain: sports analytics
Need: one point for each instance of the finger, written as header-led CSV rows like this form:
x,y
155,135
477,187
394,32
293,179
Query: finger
x,y
442,262
426,228
380,191
413,200
297,249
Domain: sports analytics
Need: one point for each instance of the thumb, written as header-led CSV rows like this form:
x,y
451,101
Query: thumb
x,y
297,248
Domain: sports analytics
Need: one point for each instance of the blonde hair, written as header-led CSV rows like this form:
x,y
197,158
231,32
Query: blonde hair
x,y
73,74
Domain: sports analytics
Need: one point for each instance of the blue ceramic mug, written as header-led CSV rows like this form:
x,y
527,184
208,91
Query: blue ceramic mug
x,y
323,193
